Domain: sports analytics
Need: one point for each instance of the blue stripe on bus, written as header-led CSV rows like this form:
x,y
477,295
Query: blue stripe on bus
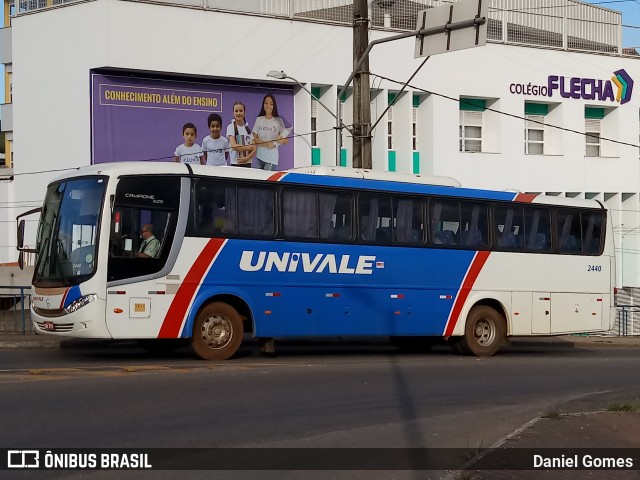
x,y
395,186
324,303
72,294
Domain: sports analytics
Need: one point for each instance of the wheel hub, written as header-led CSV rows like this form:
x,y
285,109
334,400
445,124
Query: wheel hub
x,y
216,331
484,332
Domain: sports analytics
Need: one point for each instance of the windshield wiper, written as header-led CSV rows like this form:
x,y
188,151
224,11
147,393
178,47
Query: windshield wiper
x,y
41,256
60,248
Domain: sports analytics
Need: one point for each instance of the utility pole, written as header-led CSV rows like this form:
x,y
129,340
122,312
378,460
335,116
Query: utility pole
x,y
361,93
468,16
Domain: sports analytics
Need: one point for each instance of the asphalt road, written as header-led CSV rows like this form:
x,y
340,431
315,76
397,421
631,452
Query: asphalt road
x,y
312,395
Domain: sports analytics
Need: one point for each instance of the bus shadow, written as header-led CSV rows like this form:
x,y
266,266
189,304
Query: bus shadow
x,y
291,348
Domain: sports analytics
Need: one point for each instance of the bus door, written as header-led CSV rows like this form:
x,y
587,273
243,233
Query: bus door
x,y
142,251
541,313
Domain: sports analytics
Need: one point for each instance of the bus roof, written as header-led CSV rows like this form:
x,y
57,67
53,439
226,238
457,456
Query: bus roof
x,y
327,175
133,168
377,175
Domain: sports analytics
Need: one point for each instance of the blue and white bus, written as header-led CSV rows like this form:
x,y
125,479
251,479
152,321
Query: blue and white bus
x,y
314,252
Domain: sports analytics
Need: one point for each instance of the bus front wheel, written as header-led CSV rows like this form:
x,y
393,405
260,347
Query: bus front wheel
x,y
217,332
484,332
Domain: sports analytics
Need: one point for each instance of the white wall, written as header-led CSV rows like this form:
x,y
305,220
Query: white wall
x,y
54,50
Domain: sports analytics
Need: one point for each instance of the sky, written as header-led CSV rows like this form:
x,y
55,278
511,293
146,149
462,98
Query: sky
x,y
630,16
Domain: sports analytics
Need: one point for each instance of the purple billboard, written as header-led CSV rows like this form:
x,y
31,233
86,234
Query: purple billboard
x,y
150,119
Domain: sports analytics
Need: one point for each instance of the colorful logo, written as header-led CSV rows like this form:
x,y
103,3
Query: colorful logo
x,y
624,83
592,88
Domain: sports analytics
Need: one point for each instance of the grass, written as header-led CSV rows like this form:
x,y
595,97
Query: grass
x,y
473,452
553,414
624,406
464,476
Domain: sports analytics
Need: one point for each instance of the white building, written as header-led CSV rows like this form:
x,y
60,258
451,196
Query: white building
x,y
541,108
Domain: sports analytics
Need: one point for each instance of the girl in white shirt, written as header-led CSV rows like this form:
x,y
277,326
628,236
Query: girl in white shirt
x,y
239,134
267,134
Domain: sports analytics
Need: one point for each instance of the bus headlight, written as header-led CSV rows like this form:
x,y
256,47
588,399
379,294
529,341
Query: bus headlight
x,y
81,302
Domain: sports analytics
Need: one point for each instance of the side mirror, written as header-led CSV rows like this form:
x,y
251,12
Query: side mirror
x,y
21,235
21,226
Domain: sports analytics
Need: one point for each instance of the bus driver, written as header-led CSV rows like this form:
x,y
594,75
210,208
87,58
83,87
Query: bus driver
x,y
150,247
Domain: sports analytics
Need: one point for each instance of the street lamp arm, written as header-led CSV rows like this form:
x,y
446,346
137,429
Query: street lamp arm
x,y
281,75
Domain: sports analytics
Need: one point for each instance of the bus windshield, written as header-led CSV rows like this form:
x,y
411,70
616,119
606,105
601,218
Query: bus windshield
x,y
68,231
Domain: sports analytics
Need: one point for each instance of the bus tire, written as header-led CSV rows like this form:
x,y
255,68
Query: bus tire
x,y
217,332
484,332
413,344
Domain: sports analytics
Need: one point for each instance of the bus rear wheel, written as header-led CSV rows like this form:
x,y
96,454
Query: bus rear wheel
x,y
484,332
217,332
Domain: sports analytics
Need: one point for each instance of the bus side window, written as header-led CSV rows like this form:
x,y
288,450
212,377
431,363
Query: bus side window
x,y
376,222
568,229
537,229
300,213
312,214
475,232
445,222
156,212
368,214
210,213
255,211
509,227
408,221
592,231
340,221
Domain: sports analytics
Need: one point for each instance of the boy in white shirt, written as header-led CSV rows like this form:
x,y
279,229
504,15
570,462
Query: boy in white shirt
x,y
215,147
189,151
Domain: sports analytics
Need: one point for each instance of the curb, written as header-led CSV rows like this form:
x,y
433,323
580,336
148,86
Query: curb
x,y
32,341
15,344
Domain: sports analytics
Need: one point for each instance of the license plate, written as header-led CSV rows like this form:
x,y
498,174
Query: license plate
x,y
49,326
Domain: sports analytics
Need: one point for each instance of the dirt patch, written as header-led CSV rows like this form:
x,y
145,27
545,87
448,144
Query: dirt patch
x,y
587,430
557,436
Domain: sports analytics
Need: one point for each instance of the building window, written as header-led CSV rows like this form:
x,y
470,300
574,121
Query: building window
x,y
470,131
341,115
8,154
414,129
593,138
8,94
314,122
534,127
471,116
534,135
390,128
593,120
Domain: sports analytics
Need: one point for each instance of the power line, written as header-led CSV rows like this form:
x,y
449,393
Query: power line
x,y
513,115
156,159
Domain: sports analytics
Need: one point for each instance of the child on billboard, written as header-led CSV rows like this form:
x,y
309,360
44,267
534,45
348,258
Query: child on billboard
x,y
239,134
215,147
269,133
189,151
